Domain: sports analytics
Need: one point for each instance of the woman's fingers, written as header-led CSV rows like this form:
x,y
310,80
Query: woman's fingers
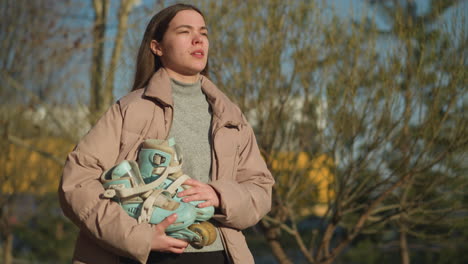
x,y
162,242
204,204
177,250
166,222
199,191
177,243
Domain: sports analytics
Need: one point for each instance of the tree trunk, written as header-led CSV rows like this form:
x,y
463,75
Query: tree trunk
x,y
404,252
277,248
124,11
272,237
7,249
97,96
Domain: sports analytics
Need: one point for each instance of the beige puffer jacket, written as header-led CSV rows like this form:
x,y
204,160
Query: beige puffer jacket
x,y
239,174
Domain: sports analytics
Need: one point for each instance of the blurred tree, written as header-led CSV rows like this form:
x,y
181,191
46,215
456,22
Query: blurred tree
x,y
42,48
308,181
46,237
381,113
102,75
30,169
34,45
387,108
428,84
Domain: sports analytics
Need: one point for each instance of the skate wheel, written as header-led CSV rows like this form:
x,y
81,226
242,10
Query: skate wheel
x,y
212,231
206,233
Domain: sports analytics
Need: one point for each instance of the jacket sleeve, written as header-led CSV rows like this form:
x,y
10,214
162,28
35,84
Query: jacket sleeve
x,y
245,199
80,192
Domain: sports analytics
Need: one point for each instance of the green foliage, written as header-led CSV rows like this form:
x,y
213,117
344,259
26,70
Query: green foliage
x,y
365,251
48,236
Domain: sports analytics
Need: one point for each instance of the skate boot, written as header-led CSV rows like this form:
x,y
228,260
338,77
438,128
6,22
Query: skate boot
x,y
147,203
159,156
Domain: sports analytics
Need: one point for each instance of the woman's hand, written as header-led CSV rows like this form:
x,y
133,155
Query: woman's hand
x,y
200,191
163,243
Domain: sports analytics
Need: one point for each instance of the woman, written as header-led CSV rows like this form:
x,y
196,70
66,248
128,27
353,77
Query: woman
x,y
171,97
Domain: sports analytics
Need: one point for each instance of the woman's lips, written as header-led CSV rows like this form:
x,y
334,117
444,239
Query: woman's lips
x,y
198,54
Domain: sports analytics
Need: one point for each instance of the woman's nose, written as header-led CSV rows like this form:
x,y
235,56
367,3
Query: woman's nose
x,y
197,39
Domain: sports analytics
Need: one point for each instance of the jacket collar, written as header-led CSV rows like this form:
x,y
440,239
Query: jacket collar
x,y
159,87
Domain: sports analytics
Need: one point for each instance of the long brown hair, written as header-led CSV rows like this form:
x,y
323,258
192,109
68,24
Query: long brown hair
x,y
148,63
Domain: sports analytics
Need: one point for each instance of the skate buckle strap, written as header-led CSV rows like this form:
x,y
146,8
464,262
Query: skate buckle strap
x,y
109,193
174,185
148,205
121,191
170,169
174,169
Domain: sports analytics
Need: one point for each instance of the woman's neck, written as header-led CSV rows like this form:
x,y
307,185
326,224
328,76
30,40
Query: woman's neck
x,y
181,77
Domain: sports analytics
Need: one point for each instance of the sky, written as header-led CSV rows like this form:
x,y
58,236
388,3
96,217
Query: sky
x,y
346,9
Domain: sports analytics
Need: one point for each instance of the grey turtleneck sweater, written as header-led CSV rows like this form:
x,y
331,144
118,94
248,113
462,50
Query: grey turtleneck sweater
x,y
191,131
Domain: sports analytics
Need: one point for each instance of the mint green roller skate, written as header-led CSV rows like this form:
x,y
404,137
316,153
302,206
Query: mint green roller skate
x,y
147,203
159,156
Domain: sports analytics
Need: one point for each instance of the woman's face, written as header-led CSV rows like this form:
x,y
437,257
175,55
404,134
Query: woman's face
x,y
184,47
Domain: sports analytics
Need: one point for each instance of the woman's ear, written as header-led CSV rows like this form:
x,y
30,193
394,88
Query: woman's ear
x,y
156,48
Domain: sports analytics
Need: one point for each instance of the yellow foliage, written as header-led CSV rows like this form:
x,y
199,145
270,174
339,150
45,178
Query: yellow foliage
x,y
301,174
26,171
